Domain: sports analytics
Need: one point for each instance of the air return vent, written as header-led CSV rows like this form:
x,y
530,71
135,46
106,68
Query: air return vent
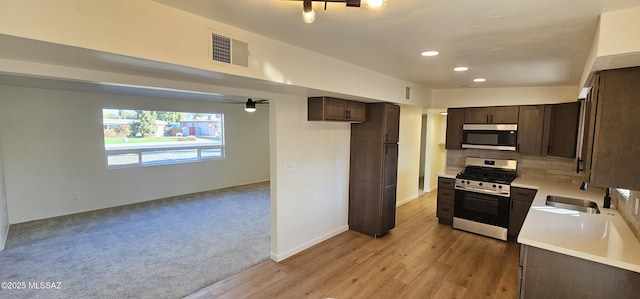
x,y
228,50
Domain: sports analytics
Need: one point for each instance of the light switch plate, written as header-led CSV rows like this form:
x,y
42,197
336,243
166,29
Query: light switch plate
x,y
290,166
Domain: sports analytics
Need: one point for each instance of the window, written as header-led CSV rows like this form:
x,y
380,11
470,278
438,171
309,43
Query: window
x,y
625,193
143,138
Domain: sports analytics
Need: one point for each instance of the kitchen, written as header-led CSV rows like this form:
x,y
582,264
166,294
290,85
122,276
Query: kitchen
x,y
553,216
290,240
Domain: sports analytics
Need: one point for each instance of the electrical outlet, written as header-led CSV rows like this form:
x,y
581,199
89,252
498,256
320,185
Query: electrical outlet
x,y
636,205
290,166
76,196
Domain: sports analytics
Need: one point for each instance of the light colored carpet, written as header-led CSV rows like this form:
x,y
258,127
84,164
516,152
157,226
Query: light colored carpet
x,y
166,248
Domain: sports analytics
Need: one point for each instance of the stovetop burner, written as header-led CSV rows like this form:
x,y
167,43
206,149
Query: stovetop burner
x,y
487,176
491,175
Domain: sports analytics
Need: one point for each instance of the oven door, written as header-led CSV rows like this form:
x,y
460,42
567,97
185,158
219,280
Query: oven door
x,y
484,208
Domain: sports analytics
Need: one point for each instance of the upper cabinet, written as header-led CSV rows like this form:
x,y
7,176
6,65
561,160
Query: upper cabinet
x,y
530,127
333,109
455,120
611,152
391,127
561,129
491,115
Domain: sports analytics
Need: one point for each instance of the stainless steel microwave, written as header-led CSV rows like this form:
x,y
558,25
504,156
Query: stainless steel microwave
x,y
496,137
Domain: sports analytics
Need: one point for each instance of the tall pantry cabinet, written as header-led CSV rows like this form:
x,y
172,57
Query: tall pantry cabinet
x,y
373,170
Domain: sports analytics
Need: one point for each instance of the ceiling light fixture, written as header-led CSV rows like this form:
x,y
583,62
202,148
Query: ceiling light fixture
x,y
479,80
308,15
461,69
430,53
250,106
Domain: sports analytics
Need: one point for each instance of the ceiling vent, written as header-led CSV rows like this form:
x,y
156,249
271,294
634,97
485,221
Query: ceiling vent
x,y
228,50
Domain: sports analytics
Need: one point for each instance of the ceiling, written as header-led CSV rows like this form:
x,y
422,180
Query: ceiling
x,y
510,43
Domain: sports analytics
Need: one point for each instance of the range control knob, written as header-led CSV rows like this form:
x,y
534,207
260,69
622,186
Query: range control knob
x,y
479,184
500,187
494,186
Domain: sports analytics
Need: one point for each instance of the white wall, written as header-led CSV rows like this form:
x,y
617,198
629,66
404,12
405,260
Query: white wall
x,y
309,204
471,97
53,146
435,154
438,154
150,30
615,43
4,217
409,154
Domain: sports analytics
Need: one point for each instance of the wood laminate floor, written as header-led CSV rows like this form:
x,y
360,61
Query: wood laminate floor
x,y
418,259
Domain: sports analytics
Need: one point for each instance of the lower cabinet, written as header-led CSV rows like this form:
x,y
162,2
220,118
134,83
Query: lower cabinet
x,y
548,274
446,196
521,199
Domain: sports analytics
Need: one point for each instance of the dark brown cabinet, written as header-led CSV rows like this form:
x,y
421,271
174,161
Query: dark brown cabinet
x,y
455,121
561,129
549,274
530,127
446,197
612,129
373,170
332,109
521,199
492,115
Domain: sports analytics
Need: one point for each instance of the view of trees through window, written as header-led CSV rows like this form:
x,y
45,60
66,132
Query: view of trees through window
x,y
144,137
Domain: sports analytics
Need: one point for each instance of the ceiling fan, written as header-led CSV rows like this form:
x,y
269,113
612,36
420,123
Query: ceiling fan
x,y
308,15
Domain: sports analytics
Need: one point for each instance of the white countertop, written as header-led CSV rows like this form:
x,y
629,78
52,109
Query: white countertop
x,y
604,238
449,173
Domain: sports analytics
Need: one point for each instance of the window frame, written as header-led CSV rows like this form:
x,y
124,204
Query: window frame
x,y
140,150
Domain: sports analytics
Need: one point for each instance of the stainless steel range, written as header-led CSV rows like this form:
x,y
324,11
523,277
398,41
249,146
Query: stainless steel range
x,y
482,199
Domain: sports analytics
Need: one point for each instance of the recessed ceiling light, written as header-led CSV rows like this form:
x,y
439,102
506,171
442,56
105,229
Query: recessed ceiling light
x,y
460,68
430,53
479,80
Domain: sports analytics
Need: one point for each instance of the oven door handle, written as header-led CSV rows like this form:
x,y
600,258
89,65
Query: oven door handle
x,y
483,191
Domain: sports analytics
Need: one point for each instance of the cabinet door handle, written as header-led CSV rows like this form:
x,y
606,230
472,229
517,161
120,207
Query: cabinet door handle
x,y
487,118
548,148
491,119
511,202
578,165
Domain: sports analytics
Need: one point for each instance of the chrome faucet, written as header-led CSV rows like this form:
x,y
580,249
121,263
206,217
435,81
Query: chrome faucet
x,y
607,198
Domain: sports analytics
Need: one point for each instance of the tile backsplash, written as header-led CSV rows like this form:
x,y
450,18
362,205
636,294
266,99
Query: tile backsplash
x,y
552,168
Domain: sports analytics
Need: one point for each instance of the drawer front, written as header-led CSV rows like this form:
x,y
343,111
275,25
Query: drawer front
x,y
446,196
523,194
446,183
445,212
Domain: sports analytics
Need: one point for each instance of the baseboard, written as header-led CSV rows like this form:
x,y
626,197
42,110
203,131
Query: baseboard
x,y
407,200
308,244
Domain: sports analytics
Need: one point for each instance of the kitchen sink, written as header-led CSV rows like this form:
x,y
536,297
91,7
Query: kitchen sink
x,y
570,203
